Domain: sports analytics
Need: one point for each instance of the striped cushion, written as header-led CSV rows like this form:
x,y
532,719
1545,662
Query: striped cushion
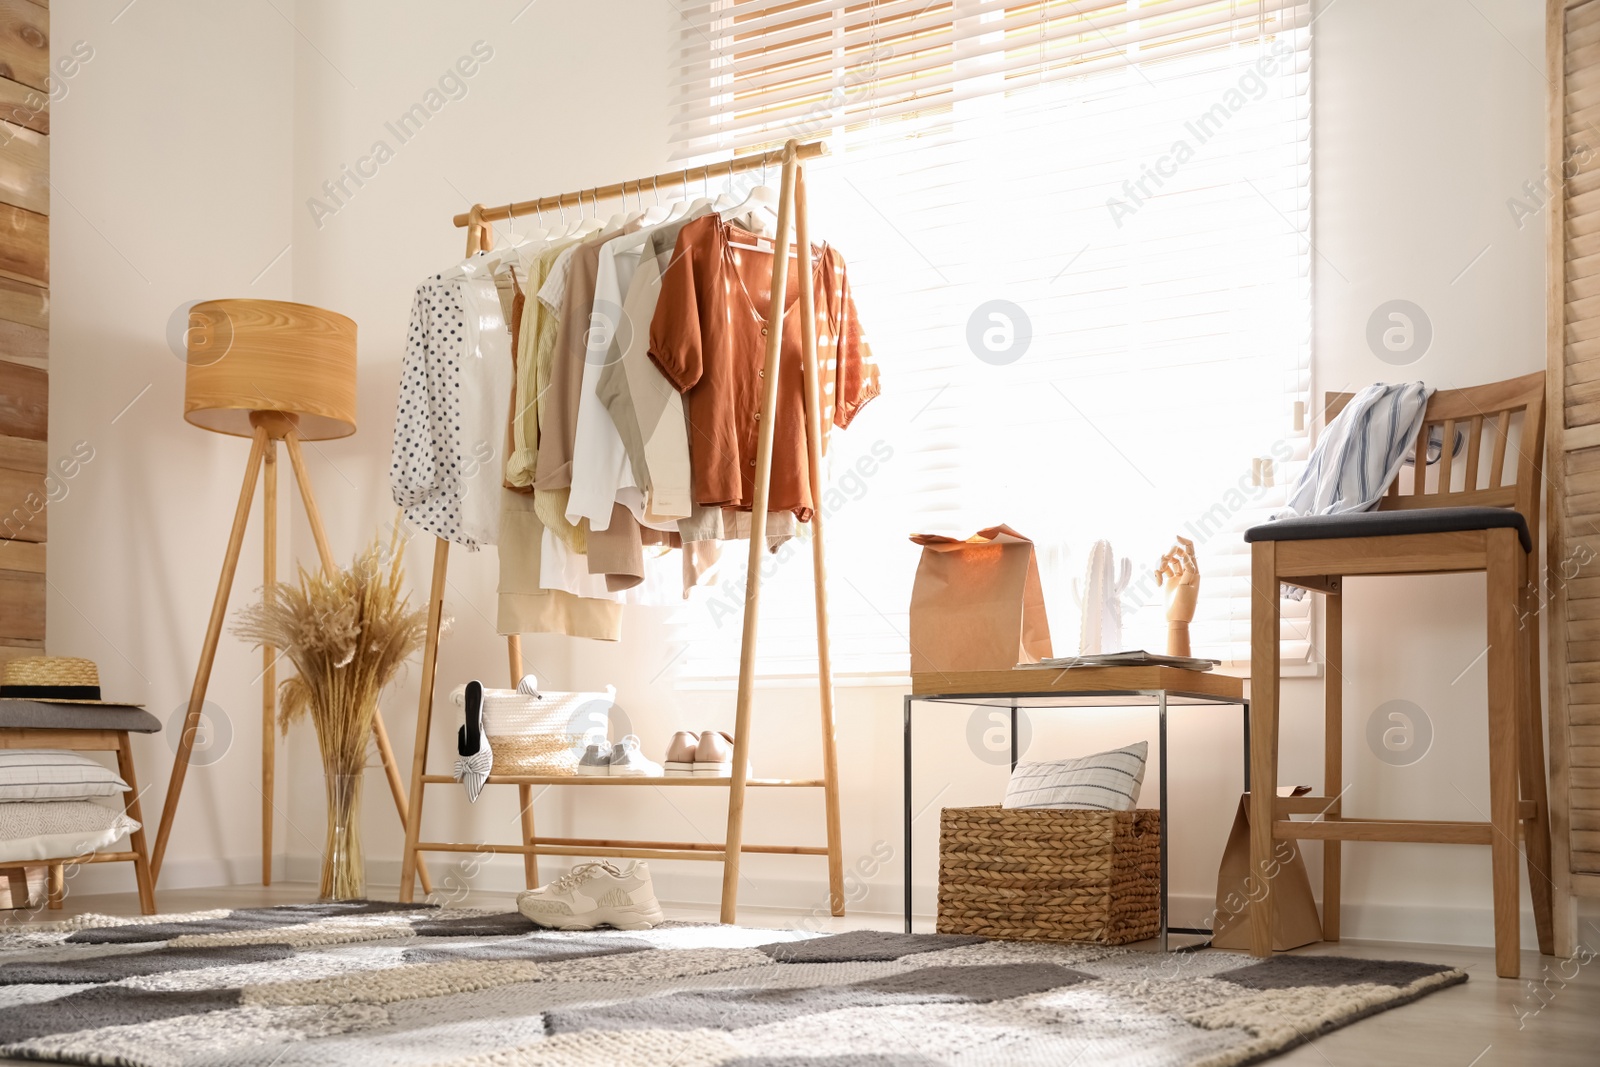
x,y
37,774
1106,781
61,830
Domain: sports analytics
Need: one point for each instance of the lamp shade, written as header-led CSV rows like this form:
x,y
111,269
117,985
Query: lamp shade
x,y
270,355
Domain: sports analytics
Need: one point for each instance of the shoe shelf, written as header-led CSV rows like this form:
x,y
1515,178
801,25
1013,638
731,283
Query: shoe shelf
x,y
645,850
570,779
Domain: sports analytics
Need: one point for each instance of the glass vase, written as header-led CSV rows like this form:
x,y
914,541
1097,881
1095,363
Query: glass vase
x,y
344,870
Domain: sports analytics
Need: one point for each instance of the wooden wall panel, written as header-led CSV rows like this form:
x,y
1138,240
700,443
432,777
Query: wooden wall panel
x,y
24,401
24,105
24,168
10,650
24,323
24,514
27,345
21,606
25,43
21,454
24,245
26,304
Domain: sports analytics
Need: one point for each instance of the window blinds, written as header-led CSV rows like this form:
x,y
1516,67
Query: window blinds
x,y
751,71
1126,186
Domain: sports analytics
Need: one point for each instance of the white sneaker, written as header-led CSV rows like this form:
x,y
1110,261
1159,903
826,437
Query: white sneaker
x,y
596,760
595,894
628,760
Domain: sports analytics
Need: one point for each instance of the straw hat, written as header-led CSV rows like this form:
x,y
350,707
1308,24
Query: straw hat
x,y
53,679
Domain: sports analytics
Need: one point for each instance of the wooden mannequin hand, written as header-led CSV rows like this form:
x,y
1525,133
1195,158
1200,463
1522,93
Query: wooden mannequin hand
x,y
1179,576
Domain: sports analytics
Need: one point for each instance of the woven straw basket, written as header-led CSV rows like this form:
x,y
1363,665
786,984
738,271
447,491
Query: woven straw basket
x,y
1046,874
544,733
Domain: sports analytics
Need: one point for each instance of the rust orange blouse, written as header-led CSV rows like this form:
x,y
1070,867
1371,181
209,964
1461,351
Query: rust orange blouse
x,y
708,337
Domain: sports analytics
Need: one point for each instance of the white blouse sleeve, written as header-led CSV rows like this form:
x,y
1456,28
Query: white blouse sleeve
x,y
412,471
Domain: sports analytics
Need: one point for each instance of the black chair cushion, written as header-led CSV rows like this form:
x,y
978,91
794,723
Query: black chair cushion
x,y
1392,523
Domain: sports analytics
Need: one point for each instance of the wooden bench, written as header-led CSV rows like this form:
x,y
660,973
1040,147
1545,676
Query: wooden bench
x,y
104,728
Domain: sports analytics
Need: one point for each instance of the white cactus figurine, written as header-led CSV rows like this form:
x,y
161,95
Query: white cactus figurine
x,y
1100,598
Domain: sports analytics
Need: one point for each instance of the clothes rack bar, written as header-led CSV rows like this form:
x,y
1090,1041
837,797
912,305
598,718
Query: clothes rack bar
x,y
792,215
703,173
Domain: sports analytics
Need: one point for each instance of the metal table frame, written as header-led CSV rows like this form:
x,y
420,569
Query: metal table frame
x,y
1157,698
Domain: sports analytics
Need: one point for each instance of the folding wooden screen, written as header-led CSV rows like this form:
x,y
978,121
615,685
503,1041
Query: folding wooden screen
x,y
1572,466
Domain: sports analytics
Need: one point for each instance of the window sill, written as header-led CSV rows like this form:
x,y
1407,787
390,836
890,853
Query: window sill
x,y
892,680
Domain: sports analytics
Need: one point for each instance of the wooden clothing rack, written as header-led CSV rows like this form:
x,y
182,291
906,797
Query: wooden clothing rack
x,y
791,209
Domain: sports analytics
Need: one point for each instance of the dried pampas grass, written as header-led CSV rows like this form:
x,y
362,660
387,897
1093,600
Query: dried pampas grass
x,y
347,634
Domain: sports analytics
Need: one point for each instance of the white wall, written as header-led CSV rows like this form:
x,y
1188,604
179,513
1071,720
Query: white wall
x,y
171,183
1428,117
571,95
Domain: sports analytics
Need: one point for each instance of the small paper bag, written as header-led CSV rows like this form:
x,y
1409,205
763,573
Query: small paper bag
x,y
1294,910
977,603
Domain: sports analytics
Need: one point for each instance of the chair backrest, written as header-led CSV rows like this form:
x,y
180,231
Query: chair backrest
x,y
1487,417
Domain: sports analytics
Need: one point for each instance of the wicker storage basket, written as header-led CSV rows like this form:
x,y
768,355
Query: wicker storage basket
x,y
1047,874
541,733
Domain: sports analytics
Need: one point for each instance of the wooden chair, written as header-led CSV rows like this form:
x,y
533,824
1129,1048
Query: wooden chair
x,y
1488,523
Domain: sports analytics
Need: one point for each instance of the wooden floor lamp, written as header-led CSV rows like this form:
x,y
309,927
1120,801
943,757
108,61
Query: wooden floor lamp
x,y
270,371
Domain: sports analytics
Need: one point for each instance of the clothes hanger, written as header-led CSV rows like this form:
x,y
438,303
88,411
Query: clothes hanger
x,y
761,197
538,234
681,208
669,209
583,225
618,220
514,250
655,214
704,200
725,197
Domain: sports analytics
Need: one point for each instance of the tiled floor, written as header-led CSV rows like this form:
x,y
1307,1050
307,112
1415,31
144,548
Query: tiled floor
x,y
1549,1019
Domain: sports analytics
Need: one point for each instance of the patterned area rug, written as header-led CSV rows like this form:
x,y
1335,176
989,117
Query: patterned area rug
x,y
368,984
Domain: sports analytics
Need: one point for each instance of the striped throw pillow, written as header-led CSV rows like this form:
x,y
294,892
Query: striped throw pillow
x,y
35,774
1106,781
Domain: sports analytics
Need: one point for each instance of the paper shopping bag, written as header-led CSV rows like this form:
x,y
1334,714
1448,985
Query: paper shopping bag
x,y
977,603
1294,910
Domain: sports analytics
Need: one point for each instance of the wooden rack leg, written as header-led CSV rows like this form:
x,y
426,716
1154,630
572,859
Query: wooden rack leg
x,y
380,732
208,651
819,566
530,861
269,655
410,861
57,886
758,541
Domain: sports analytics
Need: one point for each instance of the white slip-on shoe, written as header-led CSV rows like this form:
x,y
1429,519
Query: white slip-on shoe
x,y
680,755
628,760
474,759
596,759
595,894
